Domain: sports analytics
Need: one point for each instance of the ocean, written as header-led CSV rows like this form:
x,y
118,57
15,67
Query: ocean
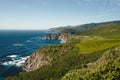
x,y
16,46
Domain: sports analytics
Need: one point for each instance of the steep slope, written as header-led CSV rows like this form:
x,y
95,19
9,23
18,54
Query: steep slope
x,y
105,68
45,56
109,30
90,26
36,60
62,37
64,58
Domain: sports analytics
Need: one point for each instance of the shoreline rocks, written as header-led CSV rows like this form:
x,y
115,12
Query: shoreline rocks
x,y
36,60
62,37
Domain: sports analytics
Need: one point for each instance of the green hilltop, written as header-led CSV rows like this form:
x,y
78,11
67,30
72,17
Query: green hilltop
x,y
84,27
109,30
89,54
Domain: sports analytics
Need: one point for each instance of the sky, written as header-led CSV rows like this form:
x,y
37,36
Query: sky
x,y
45,14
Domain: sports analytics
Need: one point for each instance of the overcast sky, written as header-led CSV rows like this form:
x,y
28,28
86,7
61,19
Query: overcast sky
x,y
44,14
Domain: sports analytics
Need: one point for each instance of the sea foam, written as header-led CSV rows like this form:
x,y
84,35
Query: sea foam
x,y
12,56
18,44
28,41
14,62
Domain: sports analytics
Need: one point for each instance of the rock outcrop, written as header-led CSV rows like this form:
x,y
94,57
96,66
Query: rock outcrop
x,y
62,37
51,37
46,55
36,60
40,57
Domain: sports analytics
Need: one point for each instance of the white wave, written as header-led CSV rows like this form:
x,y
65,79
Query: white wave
x,y
12,56
8,63
17,44
18,62
28,41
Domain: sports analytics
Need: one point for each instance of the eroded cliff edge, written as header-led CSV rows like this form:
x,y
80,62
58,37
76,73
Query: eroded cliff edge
x,y
46,55
59,36
36,60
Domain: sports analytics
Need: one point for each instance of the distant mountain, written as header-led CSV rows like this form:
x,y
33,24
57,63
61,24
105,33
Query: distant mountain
x,y
89,26
94,25
59,29
108,30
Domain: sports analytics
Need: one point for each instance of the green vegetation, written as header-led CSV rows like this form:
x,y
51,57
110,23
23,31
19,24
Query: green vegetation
x,y
58,51
59,66
105,68
109,31
89,45
93,54
81,28
68,31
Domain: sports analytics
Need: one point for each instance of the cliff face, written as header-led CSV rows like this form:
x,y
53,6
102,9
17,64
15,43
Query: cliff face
x,y
41,57
51,37
36,60
62,37
46,55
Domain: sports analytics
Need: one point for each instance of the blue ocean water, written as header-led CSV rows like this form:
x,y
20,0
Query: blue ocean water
x,y
16,46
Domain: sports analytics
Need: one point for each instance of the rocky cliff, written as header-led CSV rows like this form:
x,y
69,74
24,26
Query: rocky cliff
x,y
41,57
36,60
46,55
62,37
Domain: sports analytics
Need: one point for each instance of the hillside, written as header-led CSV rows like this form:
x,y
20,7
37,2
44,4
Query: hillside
x,y
83,27
105,68
110,30
88,55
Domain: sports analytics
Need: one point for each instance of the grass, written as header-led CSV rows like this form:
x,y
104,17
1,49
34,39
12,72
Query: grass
x,y
89,45
105,68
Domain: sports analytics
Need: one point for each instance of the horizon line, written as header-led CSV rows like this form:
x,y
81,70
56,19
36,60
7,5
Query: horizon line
x,y
63,26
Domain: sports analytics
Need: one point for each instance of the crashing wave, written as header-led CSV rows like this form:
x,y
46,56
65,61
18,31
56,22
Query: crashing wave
x,y
17,44
18,62
12,56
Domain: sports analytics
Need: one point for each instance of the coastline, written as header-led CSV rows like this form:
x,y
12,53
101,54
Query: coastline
x,y
58,36
16,55
37,58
